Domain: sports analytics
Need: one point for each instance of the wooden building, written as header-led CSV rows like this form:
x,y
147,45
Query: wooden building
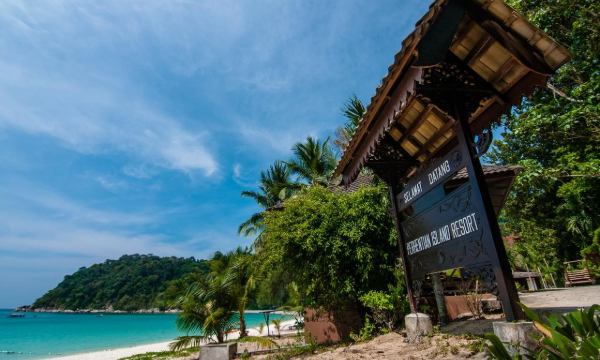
x,y
466,64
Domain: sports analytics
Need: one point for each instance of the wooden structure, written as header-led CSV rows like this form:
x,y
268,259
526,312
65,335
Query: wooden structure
x,y
467,63
578,276
529,280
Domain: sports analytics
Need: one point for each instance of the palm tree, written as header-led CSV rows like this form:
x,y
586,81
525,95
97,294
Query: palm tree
x,y
313,161
208,304
244,283
277,323
353,110
275,186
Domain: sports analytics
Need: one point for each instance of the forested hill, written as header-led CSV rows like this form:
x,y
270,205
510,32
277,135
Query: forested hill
x,y
131,283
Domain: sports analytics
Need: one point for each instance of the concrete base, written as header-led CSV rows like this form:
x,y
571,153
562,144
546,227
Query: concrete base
x,y
418,325
223,351
516,335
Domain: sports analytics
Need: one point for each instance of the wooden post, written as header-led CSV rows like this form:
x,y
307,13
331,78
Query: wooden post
x,y
501,267
529,276
550,271
543,279
438,290
400,235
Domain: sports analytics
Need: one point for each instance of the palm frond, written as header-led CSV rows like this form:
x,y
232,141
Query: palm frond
x,y
184,342
313,161
252,226
353,110
262,342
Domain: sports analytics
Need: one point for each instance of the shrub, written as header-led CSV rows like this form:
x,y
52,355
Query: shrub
x,y
592,255
578,338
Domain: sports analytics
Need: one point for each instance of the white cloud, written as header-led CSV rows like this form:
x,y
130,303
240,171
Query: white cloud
x,y
102,119
110,183
243,178
69,76
24,196
237,169
142,171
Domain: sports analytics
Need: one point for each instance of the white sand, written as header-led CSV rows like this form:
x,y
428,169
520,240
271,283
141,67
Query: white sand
x,y
115,354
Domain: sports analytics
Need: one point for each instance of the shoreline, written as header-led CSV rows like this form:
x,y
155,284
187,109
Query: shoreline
x,y
142,311
118,353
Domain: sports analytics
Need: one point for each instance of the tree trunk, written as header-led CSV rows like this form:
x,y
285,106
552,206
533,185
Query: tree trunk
x,y
243,331
439,298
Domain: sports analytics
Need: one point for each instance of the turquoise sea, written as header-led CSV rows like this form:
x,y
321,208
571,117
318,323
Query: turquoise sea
x,y
38,335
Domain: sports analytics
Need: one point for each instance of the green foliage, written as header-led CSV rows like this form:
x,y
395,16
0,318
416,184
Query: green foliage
x,y
275,186
130,283
555,202
387,309
353,110
245,355
367,332
313,161
378,300
274,289
261,342
577,338
338,245
214,304
592,254
477,347
277,324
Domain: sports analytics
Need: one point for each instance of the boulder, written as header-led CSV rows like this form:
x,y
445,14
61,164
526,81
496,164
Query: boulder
x,y
224,351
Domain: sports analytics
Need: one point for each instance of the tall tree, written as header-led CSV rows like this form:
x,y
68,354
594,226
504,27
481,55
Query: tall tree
x,y
313,161
353,110
555,202
274,186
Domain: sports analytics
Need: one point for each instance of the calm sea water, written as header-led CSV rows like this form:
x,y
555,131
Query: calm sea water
x,y
69,334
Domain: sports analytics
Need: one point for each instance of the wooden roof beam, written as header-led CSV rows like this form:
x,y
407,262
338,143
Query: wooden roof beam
x,y
479,49
444,129
415,125
462,35
503,70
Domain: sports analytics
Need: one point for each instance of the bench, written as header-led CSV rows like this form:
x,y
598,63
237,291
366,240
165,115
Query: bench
x,y
578,276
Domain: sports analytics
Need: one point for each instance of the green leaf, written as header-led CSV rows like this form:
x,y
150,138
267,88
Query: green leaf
x,y
497,348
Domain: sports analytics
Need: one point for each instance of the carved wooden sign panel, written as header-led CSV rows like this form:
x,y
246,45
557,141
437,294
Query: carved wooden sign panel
x,y
428,176
445,236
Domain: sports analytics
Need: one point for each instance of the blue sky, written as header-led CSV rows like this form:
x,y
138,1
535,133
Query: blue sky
x,y
132,126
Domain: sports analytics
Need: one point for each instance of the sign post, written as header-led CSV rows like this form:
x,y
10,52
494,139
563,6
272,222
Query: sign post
x,y
457,229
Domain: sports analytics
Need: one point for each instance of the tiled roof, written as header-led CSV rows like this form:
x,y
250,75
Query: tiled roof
x,y
489,170
362,179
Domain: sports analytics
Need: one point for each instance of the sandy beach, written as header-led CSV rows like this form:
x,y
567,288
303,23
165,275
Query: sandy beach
x,y
115,354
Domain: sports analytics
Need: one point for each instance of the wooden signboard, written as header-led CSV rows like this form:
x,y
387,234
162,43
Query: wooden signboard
x,y
458,230
429,176
445,236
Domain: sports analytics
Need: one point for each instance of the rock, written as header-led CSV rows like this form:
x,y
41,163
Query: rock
x,y
224,351
516,335
418,325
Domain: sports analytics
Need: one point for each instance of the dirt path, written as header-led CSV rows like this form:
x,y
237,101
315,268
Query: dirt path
x,y
392,346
